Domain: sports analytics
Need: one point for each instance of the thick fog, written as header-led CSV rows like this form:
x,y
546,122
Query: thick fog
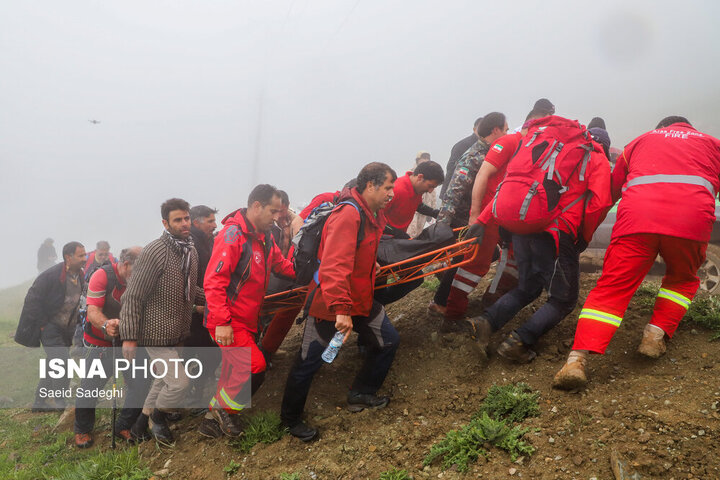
x,y
202,100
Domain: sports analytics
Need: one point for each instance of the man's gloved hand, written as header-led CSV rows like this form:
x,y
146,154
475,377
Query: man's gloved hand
x,y
580,244
476,231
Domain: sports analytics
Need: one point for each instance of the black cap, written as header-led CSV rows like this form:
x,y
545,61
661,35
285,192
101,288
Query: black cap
x,y
597,122
544,106
601,136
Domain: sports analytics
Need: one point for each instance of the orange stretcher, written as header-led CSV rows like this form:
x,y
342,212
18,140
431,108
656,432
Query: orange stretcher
x,y
393,274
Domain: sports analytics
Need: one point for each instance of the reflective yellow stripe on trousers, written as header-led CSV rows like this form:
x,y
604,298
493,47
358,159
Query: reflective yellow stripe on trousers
x,y
676,297
599,316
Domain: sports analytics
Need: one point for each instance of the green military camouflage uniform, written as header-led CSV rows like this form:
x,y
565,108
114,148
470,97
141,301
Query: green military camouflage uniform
x,y
455,209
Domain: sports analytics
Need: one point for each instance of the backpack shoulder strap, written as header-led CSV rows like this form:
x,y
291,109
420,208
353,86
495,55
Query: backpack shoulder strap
x,y
112,279
361,230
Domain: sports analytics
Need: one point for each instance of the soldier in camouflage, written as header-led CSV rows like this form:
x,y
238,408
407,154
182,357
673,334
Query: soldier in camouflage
x,y
455,209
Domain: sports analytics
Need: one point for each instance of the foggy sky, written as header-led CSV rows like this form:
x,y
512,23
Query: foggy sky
x,y
189,94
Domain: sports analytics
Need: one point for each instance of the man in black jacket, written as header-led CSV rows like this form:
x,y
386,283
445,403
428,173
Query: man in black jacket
x,y
457,151
49,316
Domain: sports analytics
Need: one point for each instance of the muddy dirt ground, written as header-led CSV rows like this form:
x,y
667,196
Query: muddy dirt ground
x,y
662,416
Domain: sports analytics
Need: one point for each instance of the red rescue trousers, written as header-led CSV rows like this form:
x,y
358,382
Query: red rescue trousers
x,y
278,329
627,260
469,275
237,366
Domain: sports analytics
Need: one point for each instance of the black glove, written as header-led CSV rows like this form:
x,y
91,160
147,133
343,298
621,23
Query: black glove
x,y
476,231
580,244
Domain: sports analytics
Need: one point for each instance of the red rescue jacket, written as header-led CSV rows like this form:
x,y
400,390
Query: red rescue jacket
x,y
347,270
668,179
401,209
238,272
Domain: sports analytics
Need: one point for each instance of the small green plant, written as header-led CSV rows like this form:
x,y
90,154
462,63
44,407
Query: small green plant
x,y
231,468
460,447
263,427
431,283
705,311
511,402
395,474
492,425
290,476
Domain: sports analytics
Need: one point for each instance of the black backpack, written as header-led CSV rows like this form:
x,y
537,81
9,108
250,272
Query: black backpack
x,y
307,240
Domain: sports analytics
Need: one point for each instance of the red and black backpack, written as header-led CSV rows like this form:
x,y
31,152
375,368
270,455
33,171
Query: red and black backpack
x,y
549,157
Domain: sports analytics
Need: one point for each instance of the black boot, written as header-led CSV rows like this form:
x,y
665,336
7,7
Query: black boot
x,y
139,429
160,428
357,402
302,431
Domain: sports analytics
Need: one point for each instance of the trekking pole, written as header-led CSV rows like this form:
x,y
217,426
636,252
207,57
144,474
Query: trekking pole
x,y
114,398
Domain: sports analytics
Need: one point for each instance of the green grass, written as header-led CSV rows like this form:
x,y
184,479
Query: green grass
x,y
29,450
263,427
512,402
705,311
395,474
494,425
120,465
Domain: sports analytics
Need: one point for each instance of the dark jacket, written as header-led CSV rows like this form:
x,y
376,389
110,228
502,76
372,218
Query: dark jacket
x,y
204,246
42,302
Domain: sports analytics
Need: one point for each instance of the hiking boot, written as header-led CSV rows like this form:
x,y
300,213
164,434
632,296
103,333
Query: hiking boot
x,y
209,427
513,349
139,429
83,440
357,402
302,431
480,331
653,342
572,375
160,429
436,310
228,425
125,435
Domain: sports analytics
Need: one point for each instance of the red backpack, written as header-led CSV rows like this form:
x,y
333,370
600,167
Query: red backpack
x,y
539,172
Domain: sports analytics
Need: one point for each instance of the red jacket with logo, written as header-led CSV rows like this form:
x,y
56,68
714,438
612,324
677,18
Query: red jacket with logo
x,y
401,209
347,269
668,179
238,272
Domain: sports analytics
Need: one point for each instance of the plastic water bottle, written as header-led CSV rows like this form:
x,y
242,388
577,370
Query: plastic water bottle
x,y
333,347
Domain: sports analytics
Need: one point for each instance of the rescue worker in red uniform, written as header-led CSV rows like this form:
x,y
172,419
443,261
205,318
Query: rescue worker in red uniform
x,y
491,173
668,179
407,197
342,300
243,256
549,259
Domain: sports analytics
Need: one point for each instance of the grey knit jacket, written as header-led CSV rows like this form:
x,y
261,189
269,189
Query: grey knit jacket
x,y
154,309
